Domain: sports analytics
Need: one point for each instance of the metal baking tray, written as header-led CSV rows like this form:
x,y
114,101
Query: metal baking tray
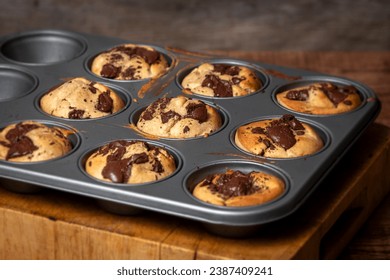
x,y
32,62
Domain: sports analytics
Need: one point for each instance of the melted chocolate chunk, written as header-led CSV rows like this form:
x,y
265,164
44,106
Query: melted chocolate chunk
x,y
20,130
220,87
281,131
237,80
20,144
117,168
224,69
129,73
186,129
92,88
157,166
165,117
293,122
258,130
139,158
76,114
197,111
299,95
347,102
117,171
22,147
150,56
116,57
105,102
231,184
110,71
282,135
151,109
337,93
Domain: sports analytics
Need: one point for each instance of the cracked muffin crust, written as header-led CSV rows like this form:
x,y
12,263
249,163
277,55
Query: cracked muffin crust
x,y
320,99
80,98
130,162
235,188
30,141
129,62
286,137
179,117
221,80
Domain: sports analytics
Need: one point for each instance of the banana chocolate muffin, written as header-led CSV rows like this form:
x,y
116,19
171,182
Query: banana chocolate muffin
x,y
130,162
129,62
221,80
235,188
320,99
30,141
80,98
179,117
286,137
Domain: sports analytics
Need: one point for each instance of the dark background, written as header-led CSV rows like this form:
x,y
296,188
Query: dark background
x,y
197,25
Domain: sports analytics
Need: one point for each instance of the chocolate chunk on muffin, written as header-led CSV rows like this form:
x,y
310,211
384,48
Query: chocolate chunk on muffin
x,y
179,117
235,188
221,80
129,62
320,99
30,141
286,137
80,98
130,162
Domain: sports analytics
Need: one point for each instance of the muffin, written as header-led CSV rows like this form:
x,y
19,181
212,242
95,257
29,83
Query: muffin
x,y
179,117
221,80
129,62
30,141
286,137
80,98
320,99
130,162
234,188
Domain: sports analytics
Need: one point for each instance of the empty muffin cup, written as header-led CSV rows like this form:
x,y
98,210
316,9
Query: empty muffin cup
x,y
43,48
15,82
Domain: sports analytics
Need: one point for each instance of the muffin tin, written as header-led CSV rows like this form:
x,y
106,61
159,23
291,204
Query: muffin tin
x,y
33,62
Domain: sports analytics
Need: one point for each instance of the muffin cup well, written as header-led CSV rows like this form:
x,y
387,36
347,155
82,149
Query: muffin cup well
x,y
125,95
20,186
176,155
323,133
43,47
319,79
134,117
16,82
201,172
171,60
259,72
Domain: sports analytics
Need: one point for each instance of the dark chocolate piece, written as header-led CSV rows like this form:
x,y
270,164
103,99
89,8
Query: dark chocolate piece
x,y
197,111
220,87
20,144
231,184
105,102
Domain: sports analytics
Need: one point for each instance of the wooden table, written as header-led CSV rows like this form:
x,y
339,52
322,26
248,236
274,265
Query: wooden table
x,y
54,225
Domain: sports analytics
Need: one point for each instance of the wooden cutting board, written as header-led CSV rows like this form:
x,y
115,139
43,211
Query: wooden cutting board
x,y
57,225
